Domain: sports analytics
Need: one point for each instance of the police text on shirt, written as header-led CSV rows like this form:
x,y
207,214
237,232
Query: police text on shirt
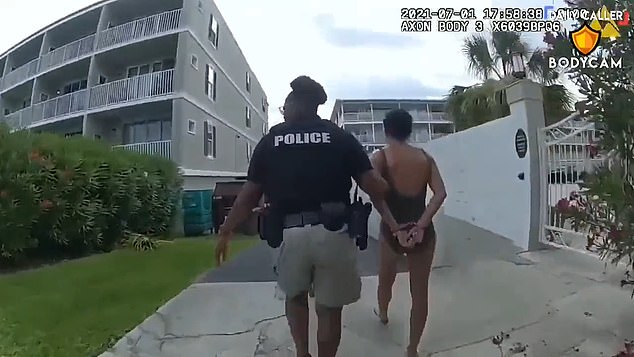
x,y
302,138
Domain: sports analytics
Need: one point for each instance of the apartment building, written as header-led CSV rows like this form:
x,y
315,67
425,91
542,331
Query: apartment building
x,y
162,77
364,119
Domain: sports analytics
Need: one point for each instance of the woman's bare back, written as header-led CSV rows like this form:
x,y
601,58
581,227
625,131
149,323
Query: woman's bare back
x,y
408,168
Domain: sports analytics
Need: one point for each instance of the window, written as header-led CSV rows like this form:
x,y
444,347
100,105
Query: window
x,y
213,30
200,5
133,71
43,97
264,128
210,83
248,82
265,105
102,80
74,87
249,151
191,126
75,133
248,116
169,63
144,69
147,131
209,144
157,66
194,61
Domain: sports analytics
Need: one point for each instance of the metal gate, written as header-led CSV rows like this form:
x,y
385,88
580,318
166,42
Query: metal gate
x,y
567,154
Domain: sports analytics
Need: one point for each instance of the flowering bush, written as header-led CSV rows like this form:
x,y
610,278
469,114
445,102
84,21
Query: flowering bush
x,y
609,103
70,197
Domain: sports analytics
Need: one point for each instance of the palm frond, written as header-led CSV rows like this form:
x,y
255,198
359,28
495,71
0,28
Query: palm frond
x,y
479,60
504,45
537,66
558,103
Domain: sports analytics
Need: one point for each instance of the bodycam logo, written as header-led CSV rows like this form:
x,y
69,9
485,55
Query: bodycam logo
x,y
598,25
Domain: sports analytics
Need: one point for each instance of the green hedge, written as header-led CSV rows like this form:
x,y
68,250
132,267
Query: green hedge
x,y
68,197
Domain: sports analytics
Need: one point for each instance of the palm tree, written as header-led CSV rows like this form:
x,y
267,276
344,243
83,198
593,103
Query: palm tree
x,y
490,60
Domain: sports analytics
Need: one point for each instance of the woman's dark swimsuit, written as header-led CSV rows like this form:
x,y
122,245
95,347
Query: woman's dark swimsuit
x,y
406,209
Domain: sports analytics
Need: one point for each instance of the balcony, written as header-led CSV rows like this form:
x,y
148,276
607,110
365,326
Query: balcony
x,y
138,29
21,74
132,89
20,119
64,105
67,53
128,32
161,148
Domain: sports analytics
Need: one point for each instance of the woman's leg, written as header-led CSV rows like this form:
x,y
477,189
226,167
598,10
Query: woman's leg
x,y
419,265
388,260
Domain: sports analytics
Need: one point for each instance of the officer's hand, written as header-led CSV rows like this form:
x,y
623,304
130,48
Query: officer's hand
x,y
261,209
222,247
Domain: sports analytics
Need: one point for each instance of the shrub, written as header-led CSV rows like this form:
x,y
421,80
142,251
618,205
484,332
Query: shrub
x,y
67,197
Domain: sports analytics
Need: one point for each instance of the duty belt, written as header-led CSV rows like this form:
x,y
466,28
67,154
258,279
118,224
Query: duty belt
x,y
301,219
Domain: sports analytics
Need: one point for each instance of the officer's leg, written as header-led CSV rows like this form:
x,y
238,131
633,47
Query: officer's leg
x,y
336,284
388,261
297,316
294,278
328,330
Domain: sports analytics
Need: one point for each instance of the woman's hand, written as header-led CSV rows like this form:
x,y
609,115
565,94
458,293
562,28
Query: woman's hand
x,y
404,239
417,233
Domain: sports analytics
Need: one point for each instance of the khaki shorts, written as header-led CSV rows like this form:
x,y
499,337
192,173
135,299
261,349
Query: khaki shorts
x,y
314,258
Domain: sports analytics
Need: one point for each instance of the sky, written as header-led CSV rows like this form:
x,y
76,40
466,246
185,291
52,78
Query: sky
x,y
354,48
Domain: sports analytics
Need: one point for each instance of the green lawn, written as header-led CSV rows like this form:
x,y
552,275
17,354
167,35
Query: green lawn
x,y
79,308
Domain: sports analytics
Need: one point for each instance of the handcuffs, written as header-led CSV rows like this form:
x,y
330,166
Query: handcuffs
x,y
407,227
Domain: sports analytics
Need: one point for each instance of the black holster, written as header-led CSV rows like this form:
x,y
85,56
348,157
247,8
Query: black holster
x,y
271,227
359,216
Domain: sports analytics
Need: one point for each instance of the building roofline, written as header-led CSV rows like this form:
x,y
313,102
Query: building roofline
x,y
43,30
391,100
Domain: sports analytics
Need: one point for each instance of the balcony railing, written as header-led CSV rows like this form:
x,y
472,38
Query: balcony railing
x,y
146,27
161,148
20,119
68,53
131,89
60,106
21,74
128,32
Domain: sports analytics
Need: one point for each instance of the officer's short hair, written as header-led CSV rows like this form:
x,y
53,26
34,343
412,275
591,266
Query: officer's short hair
x,y
308,92
398,124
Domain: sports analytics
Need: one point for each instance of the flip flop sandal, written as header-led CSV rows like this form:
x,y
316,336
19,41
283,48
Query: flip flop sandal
x,y
376,312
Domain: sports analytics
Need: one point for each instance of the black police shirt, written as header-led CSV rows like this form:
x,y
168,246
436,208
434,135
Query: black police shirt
x,y
302,164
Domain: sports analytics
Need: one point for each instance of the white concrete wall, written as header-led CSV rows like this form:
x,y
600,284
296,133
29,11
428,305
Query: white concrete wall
x,y
480,168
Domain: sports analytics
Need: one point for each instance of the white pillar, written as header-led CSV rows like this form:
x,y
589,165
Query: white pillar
x,y
525,99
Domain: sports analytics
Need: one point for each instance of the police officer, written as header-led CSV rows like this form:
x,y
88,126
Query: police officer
x,y
304,166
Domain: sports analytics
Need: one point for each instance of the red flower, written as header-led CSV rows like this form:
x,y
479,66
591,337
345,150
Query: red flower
x,y
35,156
563,205
616,234
46,205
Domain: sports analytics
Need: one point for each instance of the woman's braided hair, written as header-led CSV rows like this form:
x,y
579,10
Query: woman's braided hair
x,y
308,91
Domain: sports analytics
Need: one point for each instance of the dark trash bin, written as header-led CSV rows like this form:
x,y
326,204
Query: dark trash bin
x,y
197,212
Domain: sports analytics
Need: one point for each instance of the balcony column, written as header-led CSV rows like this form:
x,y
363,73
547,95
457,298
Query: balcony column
x,y
104,17
89,128
373,130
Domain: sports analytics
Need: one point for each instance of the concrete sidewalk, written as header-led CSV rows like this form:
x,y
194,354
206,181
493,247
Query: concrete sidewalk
x,y
553,302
